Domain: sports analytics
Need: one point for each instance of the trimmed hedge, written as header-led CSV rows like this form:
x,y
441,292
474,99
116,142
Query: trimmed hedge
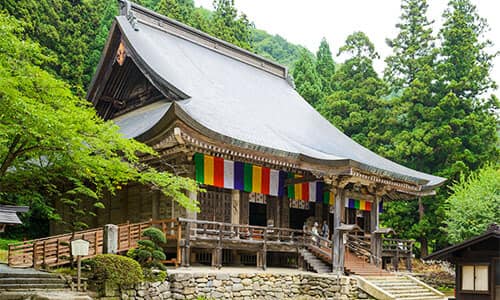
x,y
115,269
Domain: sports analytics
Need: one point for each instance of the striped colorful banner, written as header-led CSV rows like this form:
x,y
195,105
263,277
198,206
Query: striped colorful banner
x,y
329,198
358,204
235,175
305,191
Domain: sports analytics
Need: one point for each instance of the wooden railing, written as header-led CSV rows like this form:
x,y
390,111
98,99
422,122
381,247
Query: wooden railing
x,y
397,246
55,250
217,231
52,251
397,249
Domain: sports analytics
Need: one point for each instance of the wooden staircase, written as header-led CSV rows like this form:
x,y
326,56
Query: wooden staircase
x,y
359,266
313,262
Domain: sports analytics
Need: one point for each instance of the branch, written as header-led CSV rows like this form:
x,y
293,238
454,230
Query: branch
x,y
11,155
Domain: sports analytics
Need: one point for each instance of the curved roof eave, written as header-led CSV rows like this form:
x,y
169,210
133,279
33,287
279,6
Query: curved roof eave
x,y
175,112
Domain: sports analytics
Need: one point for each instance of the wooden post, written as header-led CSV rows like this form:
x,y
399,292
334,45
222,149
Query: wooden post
x,y
219,247
375,241
264,251
155,205
179,237
186,249
235,206
79,272
338,243
35,257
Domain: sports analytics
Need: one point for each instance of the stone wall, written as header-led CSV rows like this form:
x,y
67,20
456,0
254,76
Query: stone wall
x,y
265,285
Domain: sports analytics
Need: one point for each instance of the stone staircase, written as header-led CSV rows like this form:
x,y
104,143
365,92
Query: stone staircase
x,y
16,284
398,287
314,263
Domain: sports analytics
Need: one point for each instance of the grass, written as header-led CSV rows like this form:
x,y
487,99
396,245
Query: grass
x,y
4,243
4,246
3,256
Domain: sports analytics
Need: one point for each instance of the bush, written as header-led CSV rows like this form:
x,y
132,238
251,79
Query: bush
x,y
115,269
149,253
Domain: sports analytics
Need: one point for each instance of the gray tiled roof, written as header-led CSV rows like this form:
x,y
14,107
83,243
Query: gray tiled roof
x,y
242,103
9,217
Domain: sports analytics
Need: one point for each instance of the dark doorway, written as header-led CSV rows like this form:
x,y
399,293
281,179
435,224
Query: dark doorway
x,y
258,216
298,217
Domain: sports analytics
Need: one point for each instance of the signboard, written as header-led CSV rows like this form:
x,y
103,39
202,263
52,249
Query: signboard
x,y
80,247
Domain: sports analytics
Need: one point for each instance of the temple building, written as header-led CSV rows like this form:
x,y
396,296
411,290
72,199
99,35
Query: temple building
x,y
233,121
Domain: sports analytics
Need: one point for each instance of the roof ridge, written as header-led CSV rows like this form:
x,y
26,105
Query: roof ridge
x,y
135,12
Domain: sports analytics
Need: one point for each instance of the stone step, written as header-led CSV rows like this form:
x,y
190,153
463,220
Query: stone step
x,y
44,295
29,280
31,286
28,275
410,293
404,288
390,284
422,298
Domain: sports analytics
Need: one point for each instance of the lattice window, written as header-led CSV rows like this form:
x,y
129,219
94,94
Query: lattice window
x,y
257,198
300,204
215,205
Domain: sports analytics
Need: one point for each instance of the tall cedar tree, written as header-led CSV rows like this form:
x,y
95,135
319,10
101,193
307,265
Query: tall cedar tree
x,y
355,106
325,66
410,73
439,131
413,48
307,80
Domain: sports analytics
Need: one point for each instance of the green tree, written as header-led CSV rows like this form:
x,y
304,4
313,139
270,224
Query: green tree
x,y
228,26
442,127
306,78
53,146
413,48
325,66
180,10
474,204
276,48
414,134
355,106
65,29
465,65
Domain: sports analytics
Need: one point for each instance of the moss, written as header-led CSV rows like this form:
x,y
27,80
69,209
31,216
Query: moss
x,y
115,270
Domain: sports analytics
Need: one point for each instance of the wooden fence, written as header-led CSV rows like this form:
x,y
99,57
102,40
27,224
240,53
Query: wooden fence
x,y
55,250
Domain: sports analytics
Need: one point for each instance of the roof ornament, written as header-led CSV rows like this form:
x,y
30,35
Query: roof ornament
x,y
126,10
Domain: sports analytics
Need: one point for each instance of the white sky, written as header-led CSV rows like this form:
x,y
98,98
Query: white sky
x,y
305,22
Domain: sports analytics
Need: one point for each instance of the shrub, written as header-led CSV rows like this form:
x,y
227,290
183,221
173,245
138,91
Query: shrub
x,y
149,253
115,269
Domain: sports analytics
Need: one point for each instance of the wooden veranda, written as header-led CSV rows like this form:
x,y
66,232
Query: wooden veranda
x,y
187,239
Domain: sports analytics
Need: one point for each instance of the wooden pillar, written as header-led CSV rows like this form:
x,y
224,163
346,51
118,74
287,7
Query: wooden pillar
x,y
192,214
279,205
186,253
285,212
376,239
235,206
244,208
155,205
338,243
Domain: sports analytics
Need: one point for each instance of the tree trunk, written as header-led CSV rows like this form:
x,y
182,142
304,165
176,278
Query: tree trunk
x,y
423,240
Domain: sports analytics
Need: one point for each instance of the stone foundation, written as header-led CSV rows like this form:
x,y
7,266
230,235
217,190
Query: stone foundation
x,y
265,285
